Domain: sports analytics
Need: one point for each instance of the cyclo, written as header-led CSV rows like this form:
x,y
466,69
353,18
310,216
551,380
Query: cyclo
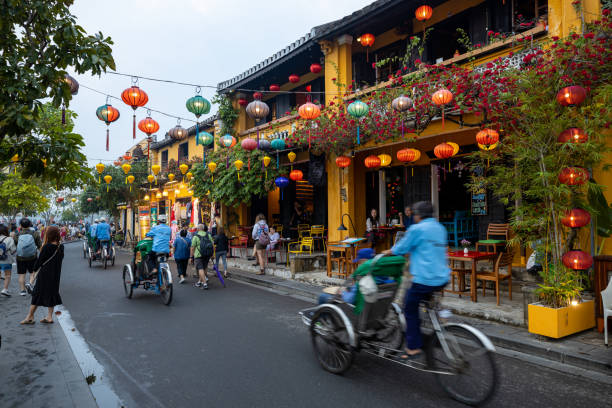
x,y
104,253
460,356
137,273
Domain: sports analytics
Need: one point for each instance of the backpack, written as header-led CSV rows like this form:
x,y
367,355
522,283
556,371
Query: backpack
x,y
206,246
3,251
26,245
264,238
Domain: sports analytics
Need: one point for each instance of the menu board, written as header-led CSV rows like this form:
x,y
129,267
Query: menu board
x,y
479,202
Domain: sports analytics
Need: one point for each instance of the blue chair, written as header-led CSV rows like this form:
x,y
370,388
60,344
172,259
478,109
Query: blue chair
x,y
461,227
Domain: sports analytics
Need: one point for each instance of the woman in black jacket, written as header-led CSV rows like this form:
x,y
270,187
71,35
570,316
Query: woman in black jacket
x,y
49,267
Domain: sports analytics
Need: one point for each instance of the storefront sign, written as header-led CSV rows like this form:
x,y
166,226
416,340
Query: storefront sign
x,y
144,219
479,202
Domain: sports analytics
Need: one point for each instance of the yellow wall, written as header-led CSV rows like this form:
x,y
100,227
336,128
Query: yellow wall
x,y
194,150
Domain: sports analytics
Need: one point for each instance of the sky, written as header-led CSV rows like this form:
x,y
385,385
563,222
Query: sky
x,y
194,41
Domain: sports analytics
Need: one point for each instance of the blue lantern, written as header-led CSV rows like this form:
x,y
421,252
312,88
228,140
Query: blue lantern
x,y
281,182
264,145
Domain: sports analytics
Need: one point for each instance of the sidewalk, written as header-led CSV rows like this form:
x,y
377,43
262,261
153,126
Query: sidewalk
x,y
584,350
37,366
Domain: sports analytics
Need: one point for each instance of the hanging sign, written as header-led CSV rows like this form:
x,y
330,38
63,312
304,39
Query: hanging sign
x,y
479,202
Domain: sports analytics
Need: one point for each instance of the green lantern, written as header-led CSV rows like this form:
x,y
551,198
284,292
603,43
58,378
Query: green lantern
x,y
199,106
278,144
357,110
205,138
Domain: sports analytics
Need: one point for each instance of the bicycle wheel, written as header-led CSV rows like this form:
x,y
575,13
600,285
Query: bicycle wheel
x,y
473,374
89,257
105,256
127,283
330,341
165,288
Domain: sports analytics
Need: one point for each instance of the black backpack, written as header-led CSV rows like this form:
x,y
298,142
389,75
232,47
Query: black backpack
x,y
206,246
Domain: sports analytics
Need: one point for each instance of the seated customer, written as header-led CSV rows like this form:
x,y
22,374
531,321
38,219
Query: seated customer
x,y
274,238
348,293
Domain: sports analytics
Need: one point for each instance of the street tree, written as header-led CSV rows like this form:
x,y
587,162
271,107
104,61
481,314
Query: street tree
x,y
19,195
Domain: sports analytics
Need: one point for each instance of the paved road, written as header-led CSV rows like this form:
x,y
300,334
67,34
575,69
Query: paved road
x,y
245,347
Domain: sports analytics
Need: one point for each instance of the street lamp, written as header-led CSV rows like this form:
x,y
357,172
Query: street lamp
x,y
342,227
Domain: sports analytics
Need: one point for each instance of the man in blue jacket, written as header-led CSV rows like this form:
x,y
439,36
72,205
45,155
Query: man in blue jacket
x,y
92,234
103,234
426,241
161,234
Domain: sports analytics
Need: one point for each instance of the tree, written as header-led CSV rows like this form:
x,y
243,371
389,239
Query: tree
x,y
39,40
19,195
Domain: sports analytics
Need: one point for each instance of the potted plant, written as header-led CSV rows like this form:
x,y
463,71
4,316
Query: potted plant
x,y
465,244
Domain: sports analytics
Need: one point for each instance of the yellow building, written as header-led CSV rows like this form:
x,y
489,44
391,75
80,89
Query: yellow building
x,y
337,49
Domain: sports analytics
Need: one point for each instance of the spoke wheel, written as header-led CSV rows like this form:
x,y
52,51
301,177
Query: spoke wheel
x,y
474,375
89,257
113,258
165,288
330,341
105,256
127,283
84,250
391,336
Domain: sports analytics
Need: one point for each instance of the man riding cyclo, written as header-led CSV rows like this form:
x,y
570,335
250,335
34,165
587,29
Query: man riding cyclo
x,y
426,241
103,235
92,235
160,245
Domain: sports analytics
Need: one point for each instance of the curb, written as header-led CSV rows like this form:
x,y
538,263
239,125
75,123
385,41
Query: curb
x,y
568,359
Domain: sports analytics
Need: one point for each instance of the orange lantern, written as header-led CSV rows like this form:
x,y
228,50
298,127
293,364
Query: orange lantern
x,y
148,125
444,151
108,114
573,135
134,97
296,175
577,260
423,13
343,161
366,40
487,137
441,98
372,162
576,218
309,111
571,95
573,176
408,156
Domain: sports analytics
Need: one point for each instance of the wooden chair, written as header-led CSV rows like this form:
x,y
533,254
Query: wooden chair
x,y
504,260
494,230
303,230
317,232
340,257
242,244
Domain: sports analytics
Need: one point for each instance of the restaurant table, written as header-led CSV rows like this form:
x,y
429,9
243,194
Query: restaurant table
x,y
285,242
347,246
474,257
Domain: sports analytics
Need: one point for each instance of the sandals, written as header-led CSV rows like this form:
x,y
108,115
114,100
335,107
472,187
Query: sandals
x,y
46,321
27,321
261,272
405,357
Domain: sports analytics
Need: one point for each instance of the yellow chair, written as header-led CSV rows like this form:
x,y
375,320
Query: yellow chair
x,y
304,246
317,232
303,230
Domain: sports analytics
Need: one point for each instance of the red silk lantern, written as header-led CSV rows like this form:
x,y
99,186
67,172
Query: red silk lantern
x,y
257,95
487,137
296,175
148,126
293,78
577,260
274,88
576,218
134,97
573,135
441,98
243,102
249,145
406,155
423,13
315,68
573,176
343,161
309,111
571,95
372,161
367,40
444,151
89,200
309,89
127,156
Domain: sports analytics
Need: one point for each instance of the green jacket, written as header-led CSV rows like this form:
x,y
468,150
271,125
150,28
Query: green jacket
x,y
195,242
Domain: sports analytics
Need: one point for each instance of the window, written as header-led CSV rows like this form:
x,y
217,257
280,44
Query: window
x,y
164,160
183,152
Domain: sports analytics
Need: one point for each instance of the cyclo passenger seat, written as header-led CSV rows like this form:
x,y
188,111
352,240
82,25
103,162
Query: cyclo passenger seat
x,y
161,257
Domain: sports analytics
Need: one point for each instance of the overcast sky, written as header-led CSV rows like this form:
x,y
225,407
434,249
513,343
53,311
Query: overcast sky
x,y
194,41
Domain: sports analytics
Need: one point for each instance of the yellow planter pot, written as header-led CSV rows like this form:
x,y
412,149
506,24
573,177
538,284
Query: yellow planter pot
x,y
557,323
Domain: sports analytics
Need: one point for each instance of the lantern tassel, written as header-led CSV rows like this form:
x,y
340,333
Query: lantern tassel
x,y
358,135
63,115
412,171
212,178
258,138
249,163
134,126
125,179
277,161
107,188
308,139
227,161
197,134
107,139
405,174
238,176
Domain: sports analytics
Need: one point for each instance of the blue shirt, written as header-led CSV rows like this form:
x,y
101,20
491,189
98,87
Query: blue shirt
x,y
92,230
181,247
103,231
426,243
161,234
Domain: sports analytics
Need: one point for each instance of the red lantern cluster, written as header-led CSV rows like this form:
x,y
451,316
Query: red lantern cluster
x,y
571,95
296,175
573,135
577,260
487,137
293,78
444,151
576,218
315,68
343,161
243,102
372,162
573,176
274,88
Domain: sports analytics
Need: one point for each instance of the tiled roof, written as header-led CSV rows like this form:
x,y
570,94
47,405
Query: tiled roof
x,y
167,140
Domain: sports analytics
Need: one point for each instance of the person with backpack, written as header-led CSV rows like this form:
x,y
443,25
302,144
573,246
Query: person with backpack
x,y
7,257
202,248
262,240
221,248
28,244
181,254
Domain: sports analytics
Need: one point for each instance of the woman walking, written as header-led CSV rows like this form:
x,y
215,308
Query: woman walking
x,y
181,254
49,267
221,248
262,239
7,257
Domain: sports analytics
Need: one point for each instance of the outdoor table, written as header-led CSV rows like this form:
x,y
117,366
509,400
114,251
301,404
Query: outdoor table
x,y
284,242
474,257
347,246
